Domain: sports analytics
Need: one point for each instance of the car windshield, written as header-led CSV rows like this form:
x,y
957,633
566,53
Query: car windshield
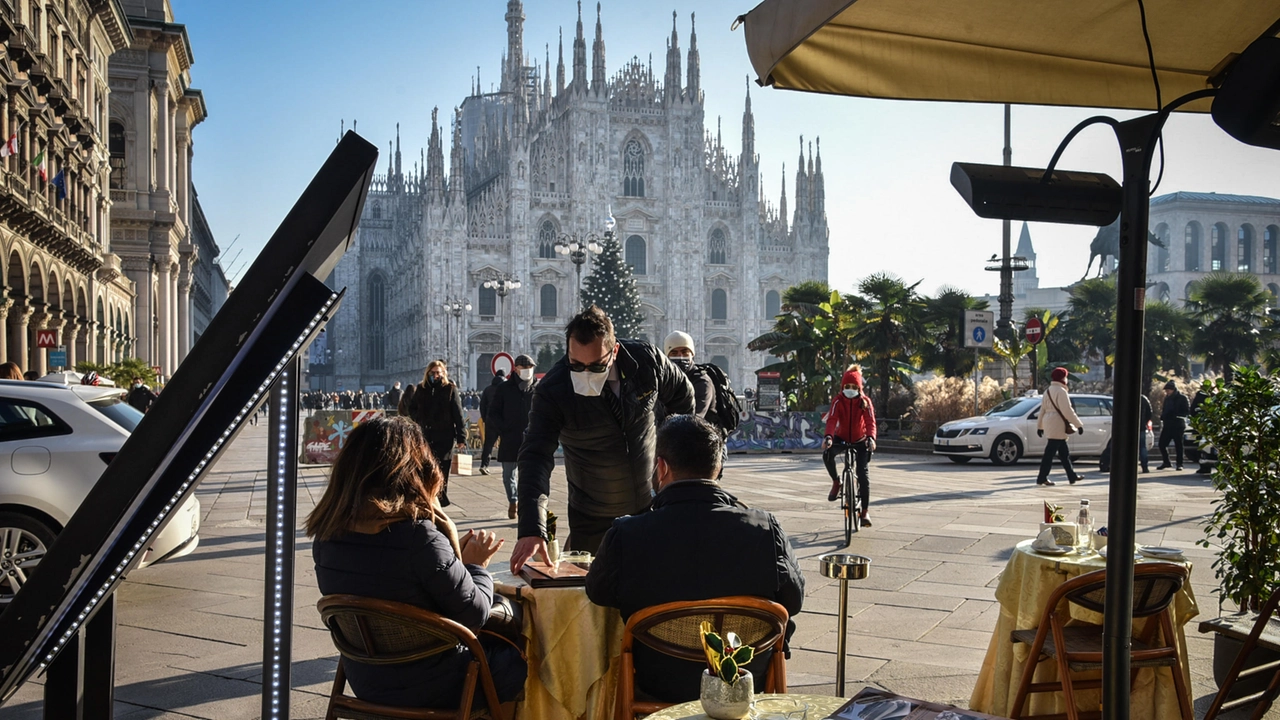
x,y
118,411
1017,407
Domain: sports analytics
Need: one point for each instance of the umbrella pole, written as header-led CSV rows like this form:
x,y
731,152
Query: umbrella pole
x,y
1137,140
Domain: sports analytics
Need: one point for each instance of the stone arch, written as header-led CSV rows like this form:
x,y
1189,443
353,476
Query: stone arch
x,y
636,163
719,305
36,282
16,275
1162,253
53,292
1270,237
636,254
1162,291
548,301
1218,246
548,232
772,304
101,315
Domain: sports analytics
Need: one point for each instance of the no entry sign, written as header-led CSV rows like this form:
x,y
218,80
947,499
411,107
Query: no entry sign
x,y
1035,330
504,362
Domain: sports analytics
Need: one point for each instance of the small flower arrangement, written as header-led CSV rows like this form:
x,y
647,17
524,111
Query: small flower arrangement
x,y
725,655
1053,513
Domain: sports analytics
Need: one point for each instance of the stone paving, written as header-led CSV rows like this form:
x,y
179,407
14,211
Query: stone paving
x,y
190,630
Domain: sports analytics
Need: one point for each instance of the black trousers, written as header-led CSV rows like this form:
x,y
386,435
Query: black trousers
x,y
586,532
861,461
1172,430
1059,448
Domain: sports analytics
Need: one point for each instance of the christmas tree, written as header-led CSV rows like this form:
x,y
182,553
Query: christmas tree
x,y
611,287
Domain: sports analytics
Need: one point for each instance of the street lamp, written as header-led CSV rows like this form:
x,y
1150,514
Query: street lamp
x,y
503,283
454,306
577,247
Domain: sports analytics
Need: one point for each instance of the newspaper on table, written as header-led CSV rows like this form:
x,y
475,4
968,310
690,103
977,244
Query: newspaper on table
x,y
874,704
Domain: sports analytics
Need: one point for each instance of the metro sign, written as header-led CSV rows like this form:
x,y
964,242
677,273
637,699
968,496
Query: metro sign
x,y
47,338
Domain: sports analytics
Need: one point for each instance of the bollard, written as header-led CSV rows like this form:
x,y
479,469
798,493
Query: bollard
x,y
843,567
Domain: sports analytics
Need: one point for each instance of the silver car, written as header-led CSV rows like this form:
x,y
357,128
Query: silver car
x,y
55,441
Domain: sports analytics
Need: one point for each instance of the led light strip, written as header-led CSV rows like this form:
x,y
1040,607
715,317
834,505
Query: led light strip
x,y
177,497
276,548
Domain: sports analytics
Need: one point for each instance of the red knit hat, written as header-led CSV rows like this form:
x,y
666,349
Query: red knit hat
x,y
1059,374
852,376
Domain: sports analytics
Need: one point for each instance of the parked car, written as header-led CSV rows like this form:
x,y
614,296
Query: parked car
x,y
1007,432
55,441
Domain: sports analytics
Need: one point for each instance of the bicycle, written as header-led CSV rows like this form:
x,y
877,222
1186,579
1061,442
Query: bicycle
x,y
850,503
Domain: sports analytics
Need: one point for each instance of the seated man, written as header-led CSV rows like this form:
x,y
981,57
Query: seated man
x,y
697,543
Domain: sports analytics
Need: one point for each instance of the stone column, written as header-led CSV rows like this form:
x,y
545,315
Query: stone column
x,y
21,316
182,160
164,302
56,323
71,331
5,303
184,319
138,269
162,136
36,356
173,319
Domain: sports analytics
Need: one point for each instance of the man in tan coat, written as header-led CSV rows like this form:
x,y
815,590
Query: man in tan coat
x,y
1058,419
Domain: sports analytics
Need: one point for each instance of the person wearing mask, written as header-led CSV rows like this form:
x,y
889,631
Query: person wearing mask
x,y
1057,419
1173,423
679,349
437,407
508,417
140,396
598,404
851,422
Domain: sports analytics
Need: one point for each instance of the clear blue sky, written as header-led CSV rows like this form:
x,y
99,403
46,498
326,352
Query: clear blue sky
x,y
280,75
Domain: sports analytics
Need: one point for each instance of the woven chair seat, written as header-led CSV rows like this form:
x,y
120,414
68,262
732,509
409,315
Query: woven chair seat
x,y
1088,639
683,633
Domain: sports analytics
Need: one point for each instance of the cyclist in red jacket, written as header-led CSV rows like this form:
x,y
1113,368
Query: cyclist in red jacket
x,y
851,421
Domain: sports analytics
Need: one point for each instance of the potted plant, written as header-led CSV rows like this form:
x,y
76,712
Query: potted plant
x,y
553,545
727,686
1241,419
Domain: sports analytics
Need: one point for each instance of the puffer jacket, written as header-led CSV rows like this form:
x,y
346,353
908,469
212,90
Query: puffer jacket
x,y
1051,422
508,417
609,467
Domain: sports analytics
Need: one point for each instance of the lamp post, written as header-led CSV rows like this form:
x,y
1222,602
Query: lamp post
x,y
454,306
503,283
577,247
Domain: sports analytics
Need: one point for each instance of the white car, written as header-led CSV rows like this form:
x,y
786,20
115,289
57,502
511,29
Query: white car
x,y
1007,432
55,441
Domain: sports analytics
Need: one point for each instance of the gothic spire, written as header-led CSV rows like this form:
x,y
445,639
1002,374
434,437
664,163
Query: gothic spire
x,y
397,150
782,204
671,83
597,58
693,88
515,46
579,56
802,188
748,130
546,86
457,189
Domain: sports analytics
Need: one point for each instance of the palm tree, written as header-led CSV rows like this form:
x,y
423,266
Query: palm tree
x,y
890,334
1231,309
1167,340
943,347
1091,321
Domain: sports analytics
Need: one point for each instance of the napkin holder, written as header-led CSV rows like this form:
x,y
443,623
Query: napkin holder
x,y
1064,533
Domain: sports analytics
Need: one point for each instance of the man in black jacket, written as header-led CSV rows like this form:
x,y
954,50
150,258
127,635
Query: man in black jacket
x,y
662,556
508,417
486,399
1173,423
597,403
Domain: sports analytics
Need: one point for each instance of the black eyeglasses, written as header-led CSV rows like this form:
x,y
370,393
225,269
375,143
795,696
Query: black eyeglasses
x,y
601,365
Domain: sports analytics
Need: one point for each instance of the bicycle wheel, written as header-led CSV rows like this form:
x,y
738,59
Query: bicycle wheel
x,y
849,500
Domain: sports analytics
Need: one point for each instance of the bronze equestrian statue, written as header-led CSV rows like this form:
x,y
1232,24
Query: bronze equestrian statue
x,y
1107,244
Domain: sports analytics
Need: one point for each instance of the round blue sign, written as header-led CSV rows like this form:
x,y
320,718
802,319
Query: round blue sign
x,y
979,334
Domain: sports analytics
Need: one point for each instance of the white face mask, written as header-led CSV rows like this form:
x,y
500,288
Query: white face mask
x,y
588,383
525,373
850,393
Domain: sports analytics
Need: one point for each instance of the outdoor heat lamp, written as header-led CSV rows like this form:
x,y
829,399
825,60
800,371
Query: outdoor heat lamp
x,y
1247,105
249,348
1003,192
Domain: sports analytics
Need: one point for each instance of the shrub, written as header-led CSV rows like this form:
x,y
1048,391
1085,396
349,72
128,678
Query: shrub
x,y
943,399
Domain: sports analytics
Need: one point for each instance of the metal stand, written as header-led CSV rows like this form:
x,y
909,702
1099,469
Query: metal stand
x,y
282,492
81,680
843,567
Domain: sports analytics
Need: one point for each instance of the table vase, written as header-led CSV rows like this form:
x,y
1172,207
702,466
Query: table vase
x,y
553,553
723,701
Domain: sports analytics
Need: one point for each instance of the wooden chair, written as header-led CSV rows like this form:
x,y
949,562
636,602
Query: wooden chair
x,y
673,629
382,632
1078,647
1265,633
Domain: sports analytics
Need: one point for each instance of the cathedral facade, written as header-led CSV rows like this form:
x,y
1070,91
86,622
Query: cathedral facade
x,y
543,161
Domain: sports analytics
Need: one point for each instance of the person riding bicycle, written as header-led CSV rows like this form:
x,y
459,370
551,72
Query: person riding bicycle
x,y
851,421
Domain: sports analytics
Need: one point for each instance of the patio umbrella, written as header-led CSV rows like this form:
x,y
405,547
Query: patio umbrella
x,y
1085,53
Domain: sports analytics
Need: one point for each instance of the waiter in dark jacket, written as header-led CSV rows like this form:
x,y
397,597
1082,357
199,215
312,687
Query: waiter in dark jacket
x,y
508,416
597,403
1173,423
661,556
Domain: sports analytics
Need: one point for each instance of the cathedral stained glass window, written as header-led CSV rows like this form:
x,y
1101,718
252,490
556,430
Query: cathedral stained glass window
x,y
488,302
377,320
633,169
719,252
719,305
548,300
636,254
547,240
772,305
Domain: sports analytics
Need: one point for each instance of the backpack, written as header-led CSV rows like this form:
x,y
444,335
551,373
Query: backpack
x,y
725,415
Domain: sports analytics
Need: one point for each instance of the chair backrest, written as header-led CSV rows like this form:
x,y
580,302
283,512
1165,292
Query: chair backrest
x,y
1154,587
673,628
383,632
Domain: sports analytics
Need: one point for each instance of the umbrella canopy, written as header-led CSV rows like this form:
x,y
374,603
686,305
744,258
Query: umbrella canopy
x,y
1087,53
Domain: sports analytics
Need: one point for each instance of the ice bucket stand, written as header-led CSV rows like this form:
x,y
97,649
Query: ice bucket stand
x,y
843,567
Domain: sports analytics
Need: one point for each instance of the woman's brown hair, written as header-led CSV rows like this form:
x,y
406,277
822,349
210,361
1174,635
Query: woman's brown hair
x,y
10,371
384,473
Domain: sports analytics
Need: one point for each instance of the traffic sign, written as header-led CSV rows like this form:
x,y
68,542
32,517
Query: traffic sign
x,y
977,328
58,358
504,362
1035,330
47,338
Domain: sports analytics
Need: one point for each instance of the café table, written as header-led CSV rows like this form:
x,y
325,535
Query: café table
x,y
819,706
1023,591
574,651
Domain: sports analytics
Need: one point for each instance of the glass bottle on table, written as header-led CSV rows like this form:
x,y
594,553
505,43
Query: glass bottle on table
x,y
1084,529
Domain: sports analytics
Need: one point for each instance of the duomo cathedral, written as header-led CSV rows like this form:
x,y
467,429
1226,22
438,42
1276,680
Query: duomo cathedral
x,y
543,160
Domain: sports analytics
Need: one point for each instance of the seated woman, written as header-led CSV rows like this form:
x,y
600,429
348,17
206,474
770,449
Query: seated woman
x,y
380,533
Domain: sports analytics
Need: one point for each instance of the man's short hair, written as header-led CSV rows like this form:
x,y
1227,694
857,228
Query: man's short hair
x,y
590,325
691,447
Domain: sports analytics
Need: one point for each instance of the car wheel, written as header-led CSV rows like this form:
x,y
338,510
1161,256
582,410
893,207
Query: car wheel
x,y
23,543
959,459
1006,450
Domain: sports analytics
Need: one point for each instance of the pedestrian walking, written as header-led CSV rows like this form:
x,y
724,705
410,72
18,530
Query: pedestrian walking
x,y
508,417
1173,423
1059,420
437,407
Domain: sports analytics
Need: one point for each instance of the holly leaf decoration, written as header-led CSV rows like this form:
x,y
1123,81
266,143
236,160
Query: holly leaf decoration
x,y
729,670
744,654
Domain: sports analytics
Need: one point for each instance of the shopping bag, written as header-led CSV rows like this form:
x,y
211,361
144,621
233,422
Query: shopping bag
x,y
461,464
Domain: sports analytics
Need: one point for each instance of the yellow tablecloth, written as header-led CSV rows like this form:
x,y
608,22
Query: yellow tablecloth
x,y
820,706
574,650
1023,592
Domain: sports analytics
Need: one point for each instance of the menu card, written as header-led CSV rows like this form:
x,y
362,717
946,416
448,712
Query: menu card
x,y
875,704
565,574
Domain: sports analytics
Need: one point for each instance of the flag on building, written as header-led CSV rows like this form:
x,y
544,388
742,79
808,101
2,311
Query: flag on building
x,y
38,164
60,181
11,147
